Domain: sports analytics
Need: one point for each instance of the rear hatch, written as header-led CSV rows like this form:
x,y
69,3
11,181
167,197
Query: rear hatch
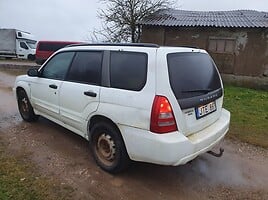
x,y
197,86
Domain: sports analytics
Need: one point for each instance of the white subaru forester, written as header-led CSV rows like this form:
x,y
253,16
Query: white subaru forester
x,y
138,102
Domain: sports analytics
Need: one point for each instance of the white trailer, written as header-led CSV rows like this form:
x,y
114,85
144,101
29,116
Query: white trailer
x,y
17,44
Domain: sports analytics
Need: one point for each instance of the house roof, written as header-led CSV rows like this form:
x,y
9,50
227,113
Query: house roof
x,y
235,18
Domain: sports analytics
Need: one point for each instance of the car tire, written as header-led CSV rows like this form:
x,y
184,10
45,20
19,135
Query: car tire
x,y
25,107
108,148
31,57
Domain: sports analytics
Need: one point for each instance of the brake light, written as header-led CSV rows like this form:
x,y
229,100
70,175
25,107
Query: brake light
x,y
162,117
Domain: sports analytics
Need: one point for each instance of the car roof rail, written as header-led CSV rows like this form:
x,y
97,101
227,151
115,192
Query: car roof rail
x,y
115,44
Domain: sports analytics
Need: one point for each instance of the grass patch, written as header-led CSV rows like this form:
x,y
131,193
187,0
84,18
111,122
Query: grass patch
x,y
249,114
20,180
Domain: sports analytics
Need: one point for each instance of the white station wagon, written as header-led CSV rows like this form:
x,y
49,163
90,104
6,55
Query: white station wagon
x,y
138,102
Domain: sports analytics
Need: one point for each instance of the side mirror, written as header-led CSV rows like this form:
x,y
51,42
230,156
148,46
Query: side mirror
x,y
33,72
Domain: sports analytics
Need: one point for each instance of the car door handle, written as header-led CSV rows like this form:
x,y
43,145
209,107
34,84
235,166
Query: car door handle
x,y
90,93
53,86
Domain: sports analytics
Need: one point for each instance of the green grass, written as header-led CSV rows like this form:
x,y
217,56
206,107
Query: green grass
x,y
249,114
21,181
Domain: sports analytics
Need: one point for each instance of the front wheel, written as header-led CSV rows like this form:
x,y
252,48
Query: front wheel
x,y
108,148
31,57
25,107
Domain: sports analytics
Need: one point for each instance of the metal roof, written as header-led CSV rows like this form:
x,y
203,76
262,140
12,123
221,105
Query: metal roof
x,y
183,18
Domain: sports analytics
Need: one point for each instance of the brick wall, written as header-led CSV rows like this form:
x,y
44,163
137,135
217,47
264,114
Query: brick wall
x,y
238,51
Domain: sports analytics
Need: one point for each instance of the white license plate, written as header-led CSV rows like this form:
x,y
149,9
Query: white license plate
x,y
204,110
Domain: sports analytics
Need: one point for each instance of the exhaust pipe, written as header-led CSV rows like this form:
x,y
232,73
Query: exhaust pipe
x,y
216,154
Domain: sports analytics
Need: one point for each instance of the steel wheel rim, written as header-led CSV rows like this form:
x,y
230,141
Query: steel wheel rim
x,y
105,149
24,107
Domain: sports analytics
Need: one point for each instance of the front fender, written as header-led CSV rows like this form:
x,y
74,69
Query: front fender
x,y
24,85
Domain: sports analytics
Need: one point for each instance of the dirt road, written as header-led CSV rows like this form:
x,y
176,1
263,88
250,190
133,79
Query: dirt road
x,y
17,62
59,154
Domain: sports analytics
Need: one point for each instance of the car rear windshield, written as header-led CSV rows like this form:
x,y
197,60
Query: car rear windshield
x,y
192,74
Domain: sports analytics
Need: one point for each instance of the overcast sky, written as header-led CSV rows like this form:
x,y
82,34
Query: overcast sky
x,y
73,19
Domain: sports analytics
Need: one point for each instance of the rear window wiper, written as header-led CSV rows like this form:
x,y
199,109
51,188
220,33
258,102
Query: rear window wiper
x,y
197,90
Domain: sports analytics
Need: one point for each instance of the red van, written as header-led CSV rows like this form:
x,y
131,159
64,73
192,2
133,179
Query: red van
x,y
45,49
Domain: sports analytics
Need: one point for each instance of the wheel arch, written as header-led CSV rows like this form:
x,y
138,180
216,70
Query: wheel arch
x,y
23,86
100,118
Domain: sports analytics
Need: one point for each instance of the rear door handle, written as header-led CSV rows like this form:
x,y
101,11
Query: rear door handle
x,y
53,86
90,93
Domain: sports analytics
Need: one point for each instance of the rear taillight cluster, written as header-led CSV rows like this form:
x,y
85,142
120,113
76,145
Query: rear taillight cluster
x,y
162,117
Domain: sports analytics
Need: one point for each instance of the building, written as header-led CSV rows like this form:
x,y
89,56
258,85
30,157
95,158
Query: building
x,y
237,40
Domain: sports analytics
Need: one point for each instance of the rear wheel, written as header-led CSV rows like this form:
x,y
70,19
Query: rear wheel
x,y
25,107
108,148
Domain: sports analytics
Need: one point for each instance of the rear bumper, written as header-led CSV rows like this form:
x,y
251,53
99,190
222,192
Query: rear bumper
x,y
173,148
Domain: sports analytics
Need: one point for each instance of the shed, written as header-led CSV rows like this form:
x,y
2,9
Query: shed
x,y
237,40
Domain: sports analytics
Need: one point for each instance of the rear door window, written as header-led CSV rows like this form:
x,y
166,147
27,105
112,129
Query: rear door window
x,y
192,75
86,68
128,70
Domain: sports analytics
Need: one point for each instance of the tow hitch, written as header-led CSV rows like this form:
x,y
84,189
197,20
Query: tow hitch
x,y
216,154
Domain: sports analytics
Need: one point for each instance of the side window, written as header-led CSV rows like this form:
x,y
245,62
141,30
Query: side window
x,y
23,45
86,68
128,70
221,45
57,67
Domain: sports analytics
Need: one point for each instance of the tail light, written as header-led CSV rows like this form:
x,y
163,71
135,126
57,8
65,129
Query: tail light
x,y
162,117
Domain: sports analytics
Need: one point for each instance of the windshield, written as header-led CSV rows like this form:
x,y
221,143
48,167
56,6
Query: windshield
x,y
31,44
192,74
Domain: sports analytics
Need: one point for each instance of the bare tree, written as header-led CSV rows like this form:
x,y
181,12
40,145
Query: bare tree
x,y
120,18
